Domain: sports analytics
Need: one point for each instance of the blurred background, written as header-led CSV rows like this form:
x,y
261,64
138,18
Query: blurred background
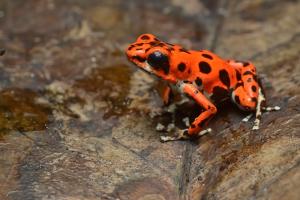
x,y
77,121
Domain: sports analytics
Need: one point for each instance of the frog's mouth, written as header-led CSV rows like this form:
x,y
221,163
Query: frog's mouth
x,y
145,67
141,64
146,71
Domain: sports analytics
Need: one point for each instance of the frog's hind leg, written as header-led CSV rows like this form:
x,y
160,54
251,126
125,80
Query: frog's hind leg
x,y
248,93
261,98
245,93
246,119
260,108
268,109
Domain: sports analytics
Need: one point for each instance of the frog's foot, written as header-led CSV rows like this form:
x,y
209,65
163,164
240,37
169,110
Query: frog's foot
x,y
246,119
203,132
259,109
268,109
183,135
265,109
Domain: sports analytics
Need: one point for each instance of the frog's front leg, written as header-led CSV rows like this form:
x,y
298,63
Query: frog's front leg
x,y
167,94
201,120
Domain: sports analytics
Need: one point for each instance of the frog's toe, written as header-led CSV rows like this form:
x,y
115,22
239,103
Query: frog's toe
x,y
268,109
246,119
182,135
203,132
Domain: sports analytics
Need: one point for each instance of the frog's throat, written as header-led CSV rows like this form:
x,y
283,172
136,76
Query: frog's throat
x,y
148,68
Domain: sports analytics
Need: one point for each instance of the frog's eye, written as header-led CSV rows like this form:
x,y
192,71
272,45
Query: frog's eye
x,y
158,60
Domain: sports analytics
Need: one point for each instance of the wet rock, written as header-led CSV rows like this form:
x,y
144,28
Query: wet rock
x,y
146,189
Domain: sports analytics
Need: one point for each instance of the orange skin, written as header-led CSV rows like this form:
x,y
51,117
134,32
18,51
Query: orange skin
x,y
202,75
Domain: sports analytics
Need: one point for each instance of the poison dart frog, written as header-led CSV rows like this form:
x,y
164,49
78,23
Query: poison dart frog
x,y
201,75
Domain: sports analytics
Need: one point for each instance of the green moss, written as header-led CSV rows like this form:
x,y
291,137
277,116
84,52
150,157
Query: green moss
x,y
110,84
19,111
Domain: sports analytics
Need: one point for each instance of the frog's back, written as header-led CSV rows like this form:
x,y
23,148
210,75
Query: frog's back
x,y
211,73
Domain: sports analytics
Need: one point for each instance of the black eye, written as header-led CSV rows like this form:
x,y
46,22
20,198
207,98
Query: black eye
x,y
157,60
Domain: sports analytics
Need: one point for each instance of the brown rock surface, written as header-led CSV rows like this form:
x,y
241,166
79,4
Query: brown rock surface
x,y
76,122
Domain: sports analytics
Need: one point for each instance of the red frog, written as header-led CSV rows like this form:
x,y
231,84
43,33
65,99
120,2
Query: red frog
x,y
201,75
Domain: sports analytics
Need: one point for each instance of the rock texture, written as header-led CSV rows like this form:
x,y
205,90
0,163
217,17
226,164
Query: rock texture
x,y
77,122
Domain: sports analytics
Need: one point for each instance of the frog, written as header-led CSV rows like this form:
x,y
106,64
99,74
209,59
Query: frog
x,y
204,77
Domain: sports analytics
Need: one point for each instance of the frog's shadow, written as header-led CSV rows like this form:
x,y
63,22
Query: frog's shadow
x,y
227,116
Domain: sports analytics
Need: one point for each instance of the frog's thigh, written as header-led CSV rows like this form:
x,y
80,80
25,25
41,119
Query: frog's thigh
x,y
210,108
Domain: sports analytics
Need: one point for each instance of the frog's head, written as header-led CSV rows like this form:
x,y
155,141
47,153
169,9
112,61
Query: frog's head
x,y
152,55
